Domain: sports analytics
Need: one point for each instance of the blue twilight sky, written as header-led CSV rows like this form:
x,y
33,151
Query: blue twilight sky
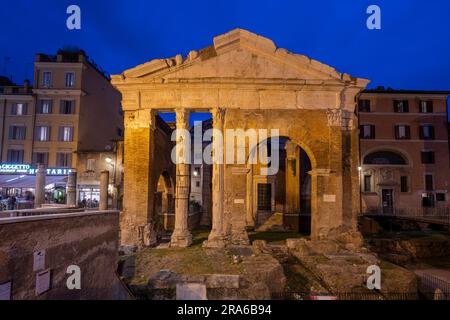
x,y
411,51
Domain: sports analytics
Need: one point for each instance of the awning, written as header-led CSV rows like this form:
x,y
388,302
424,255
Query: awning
x,y
27,181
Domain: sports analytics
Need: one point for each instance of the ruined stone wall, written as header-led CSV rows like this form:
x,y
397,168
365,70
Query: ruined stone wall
x,y
88,240
326,144
147,155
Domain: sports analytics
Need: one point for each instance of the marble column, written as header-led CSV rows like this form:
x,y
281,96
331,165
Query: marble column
x,y
217,237
104,181
39,191
181,236
71,189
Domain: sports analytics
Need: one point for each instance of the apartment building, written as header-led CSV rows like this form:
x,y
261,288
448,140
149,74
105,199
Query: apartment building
x,y
404,149
71,108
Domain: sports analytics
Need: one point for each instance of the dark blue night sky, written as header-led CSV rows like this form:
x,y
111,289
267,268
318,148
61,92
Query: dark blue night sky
x,y
411,51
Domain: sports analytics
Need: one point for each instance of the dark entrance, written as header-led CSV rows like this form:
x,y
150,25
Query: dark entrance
x,y
387,200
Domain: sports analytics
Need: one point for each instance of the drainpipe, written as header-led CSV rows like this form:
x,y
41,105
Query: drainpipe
x,y
3,129
34,99
359,151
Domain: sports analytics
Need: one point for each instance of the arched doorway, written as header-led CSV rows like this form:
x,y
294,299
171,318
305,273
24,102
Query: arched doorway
x,y
385,179
281,201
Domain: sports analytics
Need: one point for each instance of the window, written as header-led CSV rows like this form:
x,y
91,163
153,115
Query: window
x,y
264,196
384,157
426,106
428,200
67,107
427,157
364,105
402,132
90,165
428,182
367,131
19,109
426,132
47,79
70,79
197,171
64,159
197,184
404,184
15,156
42,133
65,134
40,158
45,107
17,132
401,106
367,183
440,196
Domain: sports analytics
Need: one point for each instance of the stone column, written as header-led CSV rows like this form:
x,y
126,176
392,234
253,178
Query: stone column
x,y
39,191
71,189
217,237
104,182
181,236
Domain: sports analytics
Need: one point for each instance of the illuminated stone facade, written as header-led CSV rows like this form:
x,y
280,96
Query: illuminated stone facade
x,y
246,82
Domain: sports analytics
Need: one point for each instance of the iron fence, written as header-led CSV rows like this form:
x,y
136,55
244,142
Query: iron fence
x,y
436,214
433,287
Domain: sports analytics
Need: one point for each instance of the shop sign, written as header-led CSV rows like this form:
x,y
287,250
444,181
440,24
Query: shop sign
x,y
12,168
53,171
15,168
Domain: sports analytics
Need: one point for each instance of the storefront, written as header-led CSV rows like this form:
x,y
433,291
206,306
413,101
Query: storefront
x,y
17,185
89,195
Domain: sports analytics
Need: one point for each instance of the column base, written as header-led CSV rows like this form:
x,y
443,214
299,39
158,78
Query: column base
x,y
215,241
181,239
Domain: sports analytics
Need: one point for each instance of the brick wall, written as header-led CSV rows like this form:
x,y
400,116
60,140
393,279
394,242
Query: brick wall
x,y
87,239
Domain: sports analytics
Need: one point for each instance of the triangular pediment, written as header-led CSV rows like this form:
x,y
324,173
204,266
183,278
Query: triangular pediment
x,y
236,54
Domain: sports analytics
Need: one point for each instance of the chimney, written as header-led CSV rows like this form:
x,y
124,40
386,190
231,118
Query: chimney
x,y
26,85
81,56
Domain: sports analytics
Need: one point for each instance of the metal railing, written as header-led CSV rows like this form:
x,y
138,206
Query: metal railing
x,y
433,287
36,212
426,214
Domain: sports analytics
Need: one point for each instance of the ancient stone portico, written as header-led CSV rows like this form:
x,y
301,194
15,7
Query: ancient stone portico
x,y
246,82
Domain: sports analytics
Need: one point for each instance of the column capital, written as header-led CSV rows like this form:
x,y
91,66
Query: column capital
x,y
340,118
182,118
140,119
218,114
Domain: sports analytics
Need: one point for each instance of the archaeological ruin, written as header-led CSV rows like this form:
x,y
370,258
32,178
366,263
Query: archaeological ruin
x,y
246,82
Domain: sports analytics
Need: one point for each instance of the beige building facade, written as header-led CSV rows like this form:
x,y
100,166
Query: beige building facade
x,y
246,82
404,150
72,108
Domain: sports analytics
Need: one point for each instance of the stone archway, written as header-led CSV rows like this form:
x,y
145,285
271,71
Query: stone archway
x,y
245,81
281,201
